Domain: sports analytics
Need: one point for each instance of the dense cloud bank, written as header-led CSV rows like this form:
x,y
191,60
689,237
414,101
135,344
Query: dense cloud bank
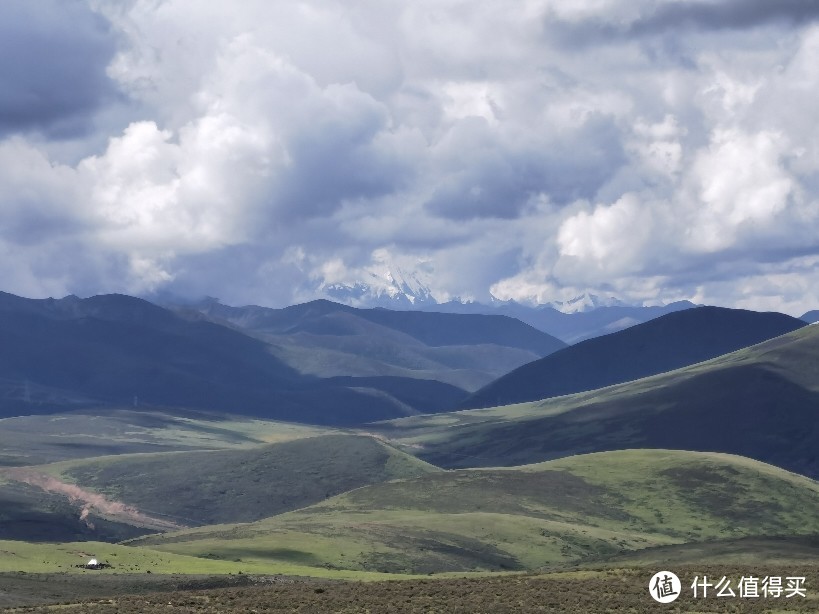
x,y
259,151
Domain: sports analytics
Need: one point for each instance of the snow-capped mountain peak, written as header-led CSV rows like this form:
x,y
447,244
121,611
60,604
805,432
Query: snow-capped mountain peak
x,y
586,302
383,287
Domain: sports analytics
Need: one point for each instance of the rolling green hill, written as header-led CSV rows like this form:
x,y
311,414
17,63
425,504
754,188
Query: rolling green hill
x,y
583,508
145,493
761,402
28,513
40,439
31,512
58,563
771,552
209,487
669,342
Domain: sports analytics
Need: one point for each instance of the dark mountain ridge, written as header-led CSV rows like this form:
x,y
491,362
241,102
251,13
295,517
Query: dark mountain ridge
x,y
328,339
811,316
117,350
761,402
431,328
669,342
568,327
122,350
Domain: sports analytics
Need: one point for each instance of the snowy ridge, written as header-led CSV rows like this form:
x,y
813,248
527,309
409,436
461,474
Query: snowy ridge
x,y
396,289
392,288
587,302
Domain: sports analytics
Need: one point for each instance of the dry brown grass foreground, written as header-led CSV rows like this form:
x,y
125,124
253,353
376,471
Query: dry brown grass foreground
x,y
617,590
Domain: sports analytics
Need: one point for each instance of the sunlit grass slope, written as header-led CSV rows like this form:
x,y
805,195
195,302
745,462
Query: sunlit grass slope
x,y
761,402
578,509
19,556
33,440
207,487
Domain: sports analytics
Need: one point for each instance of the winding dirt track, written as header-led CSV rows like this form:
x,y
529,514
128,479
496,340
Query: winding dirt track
x,y
88,501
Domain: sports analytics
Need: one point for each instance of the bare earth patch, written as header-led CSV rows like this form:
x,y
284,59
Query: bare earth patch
x,y
88,501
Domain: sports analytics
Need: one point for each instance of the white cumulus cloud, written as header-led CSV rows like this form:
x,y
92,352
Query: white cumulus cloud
x,y
258,151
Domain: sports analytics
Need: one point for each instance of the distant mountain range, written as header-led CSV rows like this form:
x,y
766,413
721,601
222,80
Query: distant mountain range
x,y
584,316
666,343
431,328
327,340
321,362
570,327
114,349
811,316
397,289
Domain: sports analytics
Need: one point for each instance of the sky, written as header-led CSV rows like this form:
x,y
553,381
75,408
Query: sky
x,y
261,152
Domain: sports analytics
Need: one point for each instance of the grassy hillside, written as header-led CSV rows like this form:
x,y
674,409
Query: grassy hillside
x,y
35,440
577,509
666,343
328,339
63,558
208,487
770,552
430,328
28,511
761,402
381,353
292,364
31,514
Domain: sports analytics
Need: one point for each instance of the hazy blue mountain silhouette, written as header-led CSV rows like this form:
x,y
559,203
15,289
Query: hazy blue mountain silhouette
x,y
431,328
568,327
811,316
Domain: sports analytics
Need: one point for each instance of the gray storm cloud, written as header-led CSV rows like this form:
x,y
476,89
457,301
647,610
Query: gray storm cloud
x,y
259,151
731,14
53,58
